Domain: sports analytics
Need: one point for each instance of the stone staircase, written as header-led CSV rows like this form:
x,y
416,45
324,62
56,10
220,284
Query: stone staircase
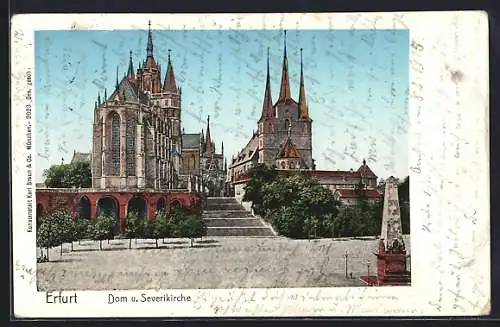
x,y
226,217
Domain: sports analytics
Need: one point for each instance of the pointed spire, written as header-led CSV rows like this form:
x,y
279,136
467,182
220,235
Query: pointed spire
x,y
222,148
285,79
149,48
99,98
169,82
267,106
130,73
116,85
95,105
105,94
208,149
303,108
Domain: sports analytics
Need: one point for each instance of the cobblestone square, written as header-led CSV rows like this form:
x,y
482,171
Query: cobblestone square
x,y
214,262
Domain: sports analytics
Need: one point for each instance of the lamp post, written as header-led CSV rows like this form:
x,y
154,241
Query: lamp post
x,y
345,256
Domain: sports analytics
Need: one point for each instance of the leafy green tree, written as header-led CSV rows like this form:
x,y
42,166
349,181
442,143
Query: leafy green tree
x,y
134,227
104,228
55,229
299,207
46,235
259,175
76,174
192,226
157,228
81,228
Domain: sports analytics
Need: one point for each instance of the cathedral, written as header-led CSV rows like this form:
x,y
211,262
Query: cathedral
x,y
284,139
138,142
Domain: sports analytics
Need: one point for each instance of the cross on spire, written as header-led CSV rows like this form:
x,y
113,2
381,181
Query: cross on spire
x,y
149,48
285,79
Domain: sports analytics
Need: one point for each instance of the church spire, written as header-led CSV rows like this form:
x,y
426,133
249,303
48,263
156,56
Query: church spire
x,y
130,73
267,106
303,108
169,82
149,48
285,79
208,139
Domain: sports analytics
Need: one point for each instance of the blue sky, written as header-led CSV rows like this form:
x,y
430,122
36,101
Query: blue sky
x,y
356,86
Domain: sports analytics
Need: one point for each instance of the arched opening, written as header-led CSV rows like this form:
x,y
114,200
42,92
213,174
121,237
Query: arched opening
x,y
39,211
84,208
174,205
113,136
109,206
137,204
160,205
283,165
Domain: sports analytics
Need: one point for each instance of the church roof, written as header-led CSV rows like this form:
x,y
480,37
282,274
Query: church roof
x,y
130,91
248,152
191,140
81,157
350,194
365,171
288,150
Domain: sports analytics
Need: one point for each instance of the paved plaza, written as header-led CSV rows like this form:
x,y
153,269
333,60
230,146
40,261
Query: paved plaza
x,y
214,262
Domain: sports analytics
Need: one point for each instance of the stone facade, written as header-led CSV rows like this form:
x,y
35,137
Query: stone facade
x,y
284,140
136,130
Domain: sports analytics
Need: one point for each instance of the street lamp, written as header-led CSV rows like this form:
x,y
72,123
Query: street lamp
x,y
345,256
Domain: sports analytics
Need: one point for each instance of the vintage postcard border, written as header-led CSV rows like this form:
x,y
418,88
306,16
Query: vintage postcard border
x,y
449,168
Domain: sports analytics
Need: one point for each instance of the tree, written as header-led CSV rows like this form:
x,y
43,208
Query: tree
x,y
134,227
157,228
104,229
192,227
259,175
81,227
55,229
76,174
298,206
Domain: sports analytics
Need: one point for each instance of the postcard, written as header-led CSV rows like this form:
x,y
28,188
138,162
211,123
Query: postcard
x,y
250,165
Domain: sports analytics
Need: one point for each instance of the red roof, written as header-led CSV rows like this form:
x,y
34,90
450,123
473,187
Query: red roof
x,y
334,173
371,194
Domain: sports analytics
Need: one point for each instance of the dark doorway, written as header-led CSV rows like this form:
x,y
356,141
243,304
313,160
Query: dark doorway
x,y
137,204
174,205
160,205
84,208
109,206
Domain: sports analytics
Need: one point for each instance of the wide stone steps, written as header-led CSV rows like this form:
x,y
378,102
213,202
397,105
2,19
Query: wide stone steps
x,y
239,231
227,217
233,222
227,214
224,206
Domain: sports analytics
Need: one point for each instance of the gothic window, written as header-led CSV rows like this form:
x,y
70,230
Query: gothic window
x,y
290,165
283,165
271,128
304,129
191,163
260,127
114,144
130,145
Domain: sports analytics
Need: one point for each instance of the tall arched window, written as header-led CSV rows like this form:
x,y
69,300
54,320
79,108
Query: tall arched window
x,y
114,144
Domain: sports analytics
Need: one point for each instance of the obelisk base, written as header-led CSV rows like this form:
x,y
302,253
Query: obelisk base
x,y
391,267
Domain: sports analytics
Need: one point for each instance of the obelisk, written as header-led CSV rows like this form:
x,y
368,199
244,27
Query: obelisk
x,y
391,217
